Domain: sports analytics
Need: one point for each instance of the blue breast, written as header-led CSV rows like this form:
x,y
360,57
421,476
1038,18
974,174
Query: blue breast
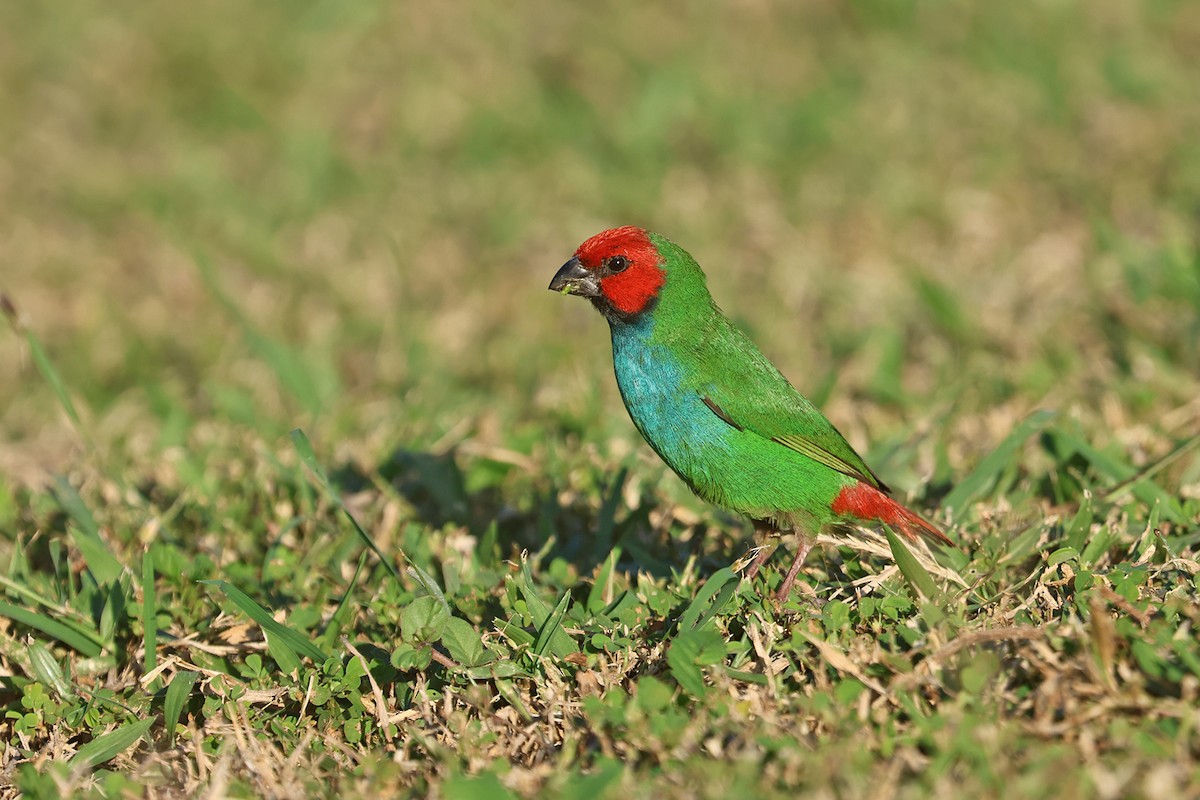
x,y
667,406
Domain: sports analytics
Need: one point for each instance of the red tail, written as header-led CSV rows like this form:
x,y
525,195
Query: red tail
x,y
865,502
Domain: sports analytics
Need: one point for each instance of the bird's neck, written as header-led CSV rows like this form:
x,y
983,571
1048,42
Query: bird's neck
x,y
672,319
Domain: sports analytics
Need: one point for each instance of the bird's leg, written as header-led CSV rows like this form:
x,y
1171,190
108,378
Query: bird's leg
x,y
802,547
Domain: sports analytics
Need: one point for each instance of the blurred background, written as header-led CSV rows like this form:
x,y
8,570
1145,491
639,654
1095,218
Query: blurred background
x,y
231,220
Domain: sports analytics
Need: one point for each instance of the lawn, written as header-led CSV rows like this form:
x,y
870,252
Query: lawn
x,y
308,487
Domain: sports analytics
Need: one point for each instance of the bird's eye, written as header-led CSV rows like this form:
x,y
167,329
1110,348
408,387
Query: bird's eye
x,y
618,264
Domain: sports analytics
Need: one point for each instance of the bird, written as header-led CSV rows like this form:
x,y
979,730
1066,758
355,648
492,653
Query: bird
x,y
716,410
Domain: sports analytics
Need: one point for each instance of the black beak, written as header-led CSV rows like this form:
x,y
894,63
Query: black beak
x,y
575,278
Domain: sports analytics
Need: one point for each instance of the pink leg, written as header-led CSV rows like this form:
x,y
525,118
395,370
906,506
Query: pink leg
x,y
803,546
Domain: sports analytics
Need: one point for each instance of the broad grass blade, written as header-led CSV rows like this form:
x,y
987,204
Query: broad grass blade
x,y
918,578
88,644
108,746
178,692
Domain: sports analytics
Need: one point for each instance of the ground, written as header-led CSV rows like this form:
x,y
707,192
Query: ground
x,y
309,487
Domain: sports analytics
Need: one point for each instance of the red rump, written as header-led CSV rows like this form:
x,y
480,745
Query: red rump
x,y
865,502
631,290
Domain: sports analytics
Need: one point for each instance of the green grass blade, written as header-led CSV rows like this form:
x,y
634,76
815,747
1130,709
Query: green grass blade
x,y
691,617
718,604
553,625
337,620
292,639
918,578
43,363
149,620
561,645
989,469
428,584
87,644
292,370
1081,525
108,746
35,597
596,595
178,693
76,509
86,534
308,457
1180,450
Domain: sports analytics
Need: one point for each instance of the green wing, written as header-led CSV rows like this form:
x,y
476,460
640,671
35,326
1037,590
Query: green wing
x,y
749,393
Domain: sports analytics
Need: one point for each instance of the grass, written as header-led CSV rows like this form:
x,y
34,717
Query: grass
x,y
309,487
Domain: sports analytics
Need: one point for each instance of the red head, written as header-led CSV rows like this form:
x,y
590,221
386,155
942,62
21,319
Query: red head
x,y
620,270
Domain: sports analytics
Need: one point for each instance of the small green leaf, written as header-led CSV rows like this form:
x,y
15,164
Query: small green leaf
x,y
423,620
178,693
481,787
1060,555
690,652
464,644
652,694
496,670
108,746
407,658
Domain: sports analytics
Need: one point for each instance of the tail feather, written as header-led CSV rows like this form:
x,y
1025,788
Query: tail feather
x,y
866,503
